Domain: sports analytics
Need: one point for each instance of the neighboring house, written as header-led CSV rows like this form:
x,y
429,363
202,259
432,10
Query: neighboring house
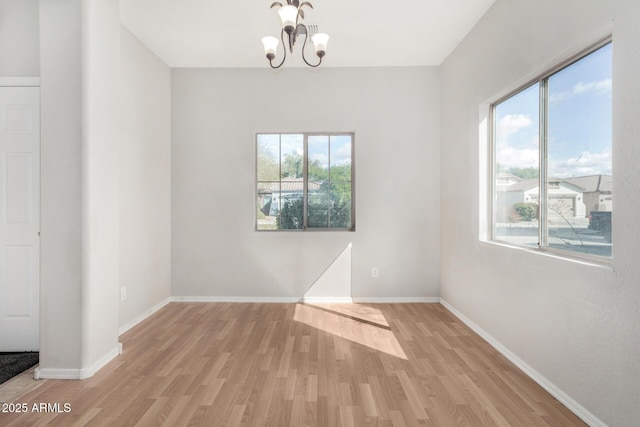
x,y
597,192
505,180
565,198
272,194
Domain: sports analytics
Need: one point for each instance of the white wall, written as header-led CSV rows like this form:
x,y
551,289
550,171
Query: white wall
x,y
145,179
79,59
215,115
61,185
575,324
100,181
105,184
19,38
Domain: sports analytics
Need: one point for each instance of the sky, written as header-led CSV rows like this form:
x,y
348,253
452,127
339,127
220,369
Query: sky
x,y
340,149
579,121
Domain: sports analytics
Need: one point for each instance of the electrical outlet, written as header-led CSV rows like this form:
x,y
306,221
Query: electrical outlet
x,y
375,273
123,293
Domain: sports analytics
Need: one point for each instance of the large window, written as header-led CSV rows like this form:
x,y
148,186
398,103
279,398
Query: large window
x,y
304,181
552,174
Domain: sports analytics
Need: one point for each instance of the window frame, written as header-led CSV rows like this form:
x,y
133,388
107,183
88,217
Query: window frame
x,y
543,144
305,157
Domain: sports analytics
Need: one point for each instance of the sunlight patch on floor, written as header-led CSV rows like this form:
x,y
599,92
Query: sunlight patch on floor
x,y
358,323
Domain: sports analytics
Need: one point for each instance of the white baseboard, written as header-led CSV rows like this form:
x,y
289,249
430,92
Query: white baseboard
x,y
556,392
77,374
396,300
56,374
236,299
124,328
390,300
91,371
327,300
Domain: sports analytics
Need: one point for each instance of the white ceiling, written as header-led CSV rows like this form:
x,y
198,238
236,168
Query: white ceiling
x,y
216,33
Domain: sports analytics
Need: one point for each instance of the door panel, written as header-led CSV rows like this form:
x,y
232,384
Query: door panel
x,y
19,265
19,188
19,218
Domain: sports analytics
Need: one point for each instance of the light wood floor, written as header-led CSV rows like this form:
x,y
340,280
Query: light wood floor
x,y
18,386
298,364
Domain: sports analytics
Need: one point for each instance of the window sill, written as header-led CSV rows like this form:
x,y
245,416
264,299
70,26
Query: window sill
x,y
586,260
304,230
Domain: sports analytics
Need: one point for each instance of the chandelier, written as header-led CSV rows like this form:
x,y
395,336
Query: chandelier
x,y
291,15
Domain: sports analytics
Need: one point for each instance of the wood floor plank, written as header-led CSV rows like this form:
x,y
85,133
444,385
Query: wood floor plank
x,y
298,364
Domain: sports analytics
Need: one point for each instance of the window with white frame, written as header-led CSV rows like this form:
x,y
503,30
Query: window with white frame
x,y
305,181
551,168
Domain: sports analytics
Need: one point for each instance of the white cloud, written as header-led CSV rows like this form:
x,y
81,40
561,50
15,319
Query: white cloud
x,y
585,164
512,123
322,158
511,157
268,150
598,87
341,156
601,86
558,97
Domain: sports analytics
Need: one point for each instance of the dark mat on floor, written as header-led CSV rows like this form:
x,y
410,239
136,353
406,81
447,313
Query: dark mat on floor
x,y
12,364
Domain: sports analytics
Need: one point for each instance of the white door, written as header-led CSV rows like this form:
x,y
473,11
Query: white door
x,y
19,218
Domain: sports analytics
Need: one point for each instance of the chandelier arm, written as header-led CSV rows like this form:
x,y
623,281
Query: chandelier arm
x,y
292,38
306,35
285,52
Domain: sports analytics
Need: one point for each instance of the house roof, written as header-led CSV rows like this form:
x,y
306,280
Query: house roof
x,y
507,179
509,176
529,184
524,185
287,184
593,183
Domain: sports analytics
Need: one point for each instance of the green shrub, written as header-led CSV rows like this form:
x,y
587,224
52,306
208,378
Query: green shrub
x,y
527,211
290,216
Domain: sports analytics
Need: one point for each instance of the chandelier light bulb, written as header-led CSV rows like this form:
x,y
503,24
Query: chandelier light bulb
x,y
320,43
270,46
289,17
